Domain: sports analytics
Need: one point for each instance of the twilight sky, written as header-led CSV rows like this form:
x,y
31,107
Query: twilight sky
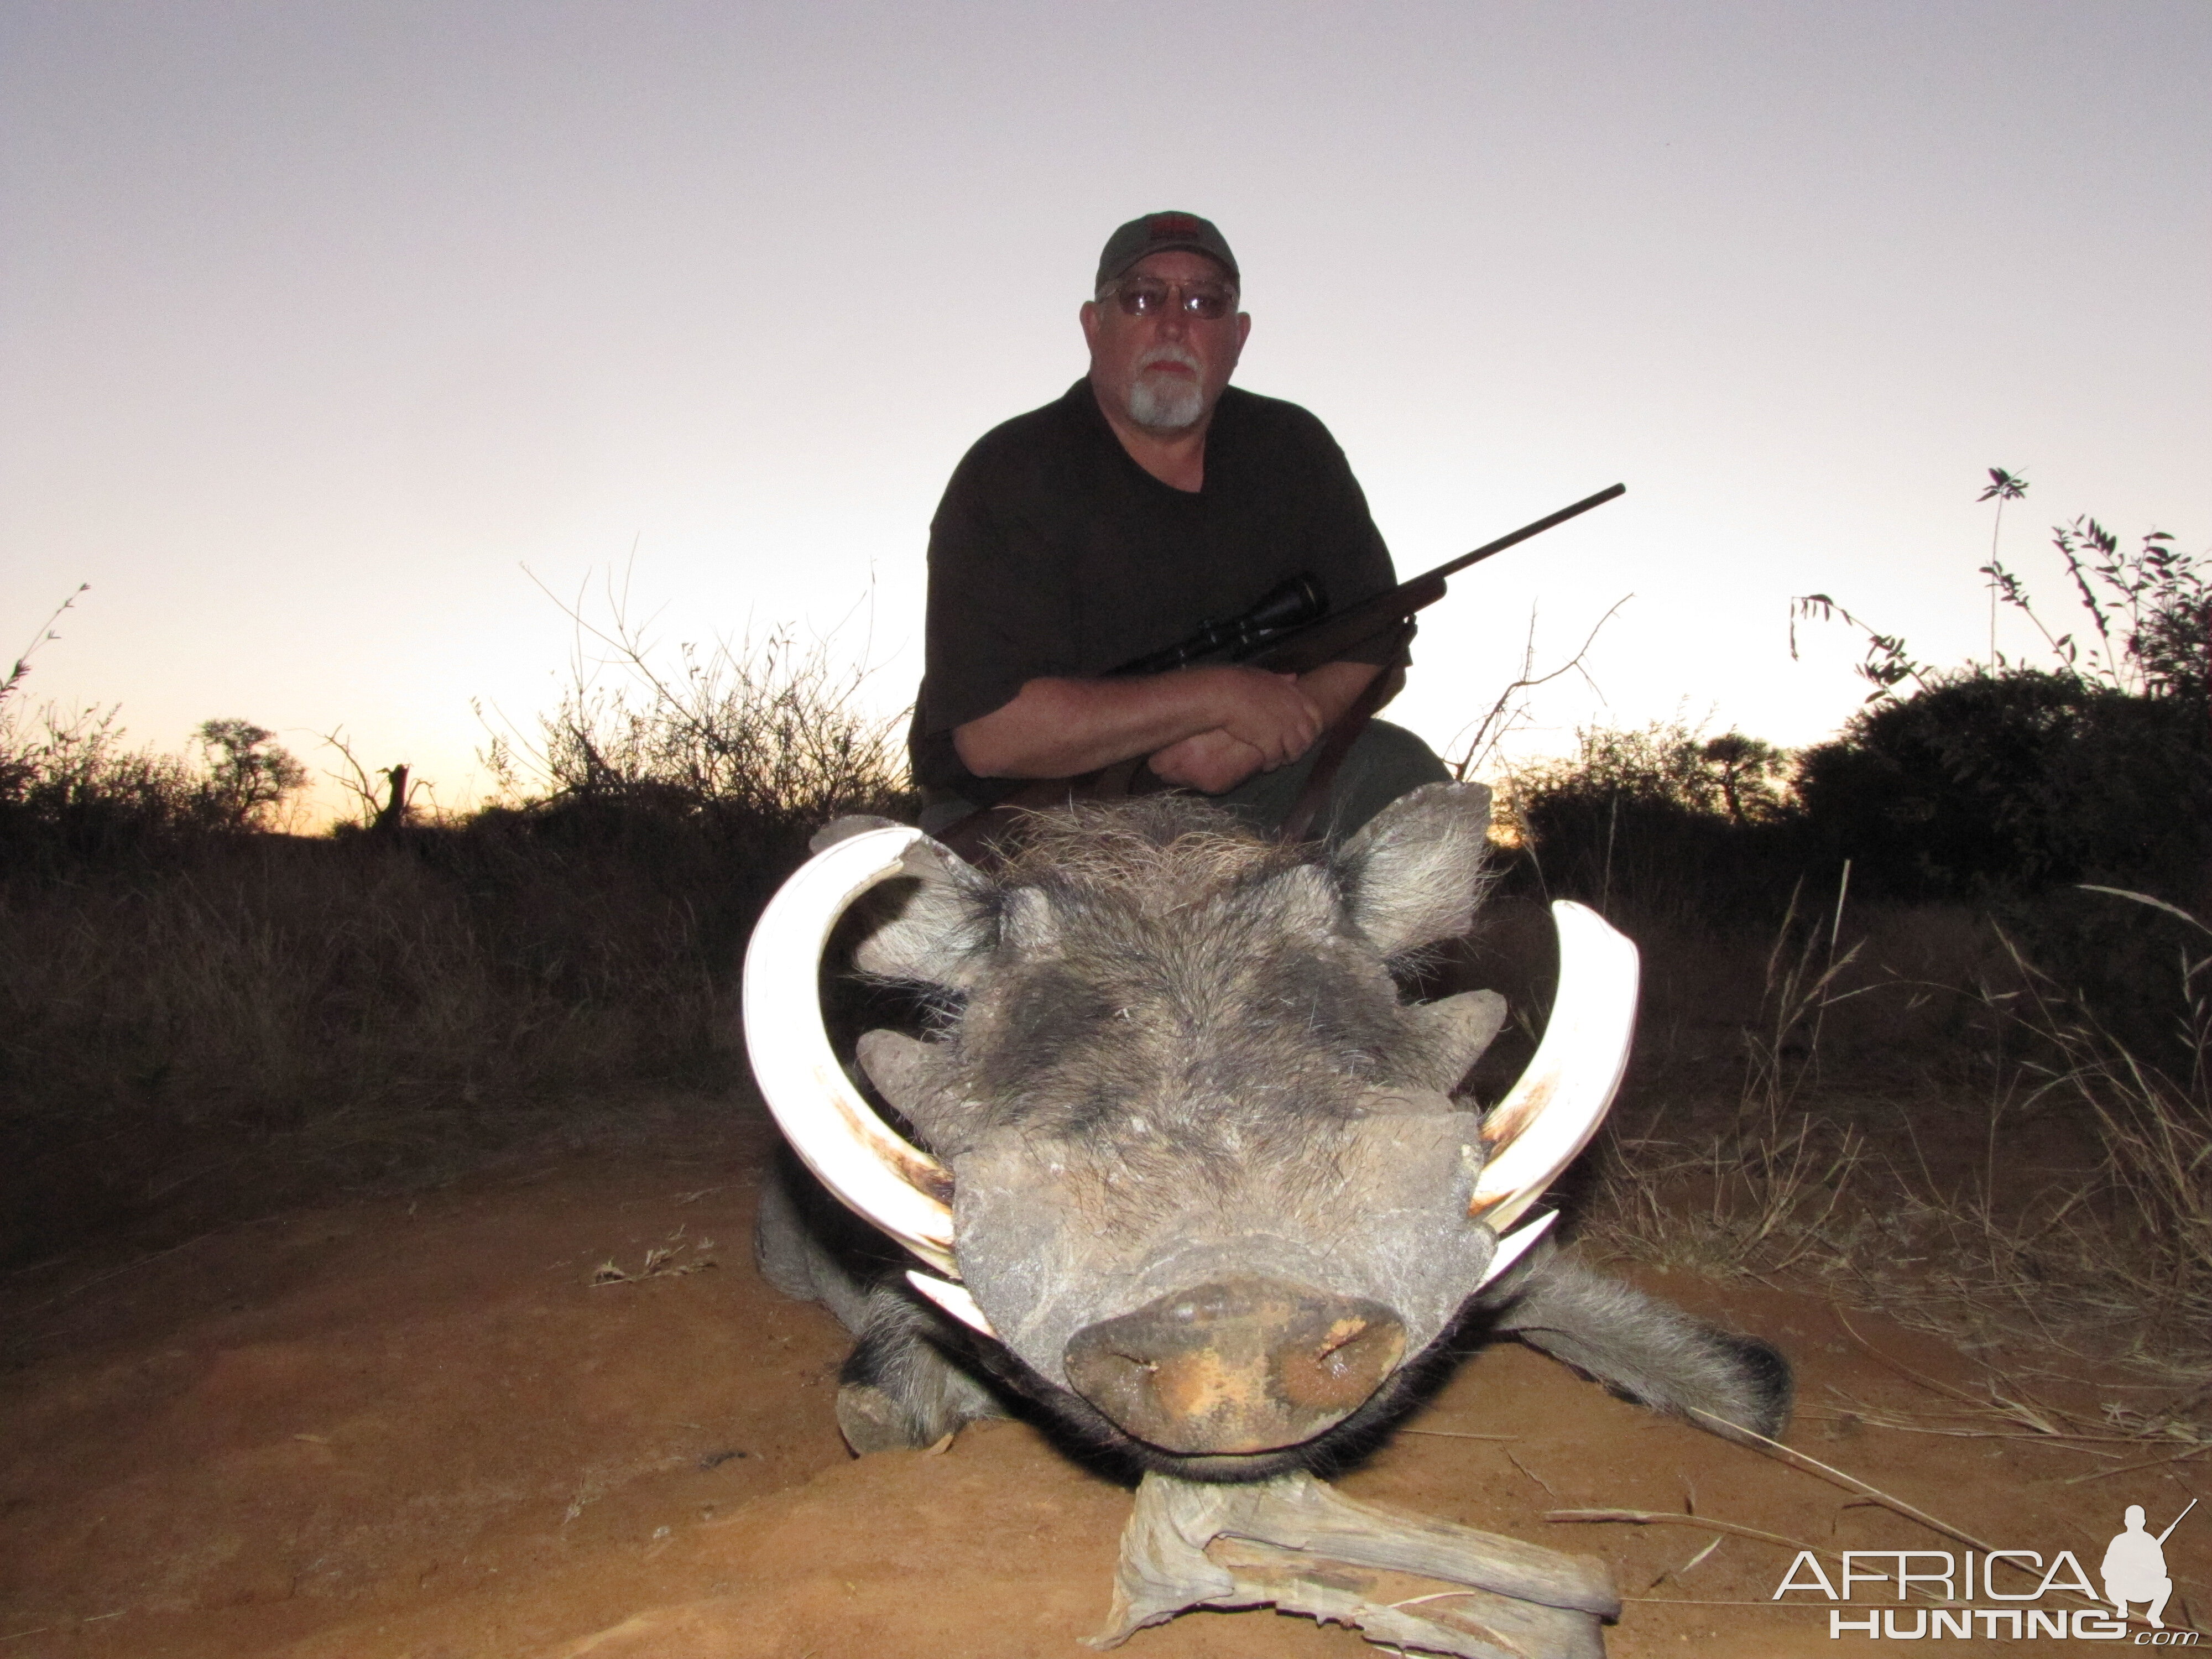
x,y
320,322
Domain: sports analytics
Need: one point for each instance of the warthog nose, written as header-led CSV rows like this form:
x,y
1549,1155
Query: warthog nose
x,y
1245,1364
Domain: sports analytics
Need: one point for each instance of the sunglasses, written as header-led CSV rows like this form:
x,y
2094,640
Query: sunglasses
x,y
1147,296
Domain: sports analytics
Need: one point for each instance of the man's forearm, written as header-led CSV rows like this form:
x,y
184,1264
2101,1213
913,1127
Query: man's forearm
x,y
1065,727
1061,728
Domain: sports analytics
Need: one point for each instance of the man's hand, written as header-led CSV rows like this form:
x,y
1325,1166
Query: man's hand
x,y
1268,721
1214,761
1211,763
1270,713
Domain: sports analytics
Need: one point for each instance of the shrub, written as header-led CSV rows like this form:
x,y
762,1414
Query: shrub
x,y
1986,785
773,732
1694,829
2151,610
1996,782
71,791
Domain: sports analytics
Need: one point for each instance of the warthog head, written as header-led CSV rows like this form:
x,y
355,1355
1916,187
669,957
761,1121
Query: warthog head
x,y
1183,1151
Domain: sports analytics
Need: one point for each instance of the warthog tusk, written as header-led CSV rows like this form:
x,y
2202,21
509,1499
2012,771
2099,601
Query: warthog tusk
x,y
1552,1111
954,1299
884,1179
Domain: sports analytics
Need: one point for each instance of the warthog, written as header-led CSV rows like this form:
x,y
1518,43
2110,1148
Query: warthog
x,y
1185,1168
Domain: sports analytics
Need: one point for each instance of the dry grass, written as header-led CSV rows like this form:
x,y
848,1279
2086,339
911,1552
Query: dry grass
x,y
2081,1226
2145,1216
2003,1409
199,1025
1762,1195
278,1014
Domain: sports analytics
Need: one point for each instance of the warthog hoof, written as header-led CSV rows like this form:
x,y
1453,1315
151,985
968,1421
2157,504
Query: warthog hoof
x,y
871,1421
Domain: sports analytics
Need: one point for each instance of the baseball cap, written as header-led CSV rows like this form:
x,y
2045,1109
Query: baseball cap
x,y
1163,233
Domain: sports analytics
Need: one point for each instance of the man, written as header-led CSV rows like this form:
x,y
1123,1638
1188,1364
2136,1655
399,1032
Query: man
x,y
1150,499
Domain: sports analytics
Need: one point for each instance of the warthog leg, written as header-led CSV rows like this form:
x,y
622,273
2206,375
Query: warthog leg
x,y
1425,1586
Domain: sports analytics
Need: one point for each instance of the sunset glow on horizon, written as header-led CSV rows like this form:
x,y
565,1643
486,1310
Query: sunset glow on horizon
x,y
341,346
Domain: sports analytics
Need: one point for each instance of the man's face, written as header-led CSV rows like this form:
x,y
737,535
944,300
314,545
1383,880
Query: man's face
x,y
1165,372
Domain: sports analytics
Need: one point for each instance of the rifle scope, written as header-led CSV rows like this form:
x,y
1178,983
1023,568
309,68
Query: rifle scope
x,y
1296,602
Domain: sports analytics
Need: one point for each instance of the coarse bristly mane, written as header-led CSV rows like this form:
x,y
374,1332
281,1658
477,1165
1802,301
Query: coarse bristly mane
x,y
1170,849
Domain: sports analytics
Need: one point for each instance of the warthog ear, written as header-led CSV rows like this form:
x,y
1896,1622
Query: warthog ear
x,y
1460,1028
1412,874
926,926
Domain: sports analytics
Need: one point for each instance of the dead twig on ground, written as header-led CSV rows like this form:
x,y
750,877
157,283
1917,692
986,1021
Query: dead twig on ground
x,y
659,1263
1851,1483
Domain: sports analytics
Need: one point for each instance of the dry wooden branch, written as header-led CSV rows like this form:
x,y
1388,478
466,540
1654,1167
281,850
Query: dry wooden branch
x,y
1294,1543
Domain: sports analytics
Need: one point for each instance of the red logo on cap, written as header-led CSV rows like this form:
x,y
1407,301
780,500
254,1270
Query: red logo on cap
x,y
1172,224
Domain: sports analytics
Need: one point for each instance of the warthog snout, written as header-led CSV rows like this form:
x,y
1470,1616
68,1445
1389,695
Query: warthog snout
x,y
1245,1364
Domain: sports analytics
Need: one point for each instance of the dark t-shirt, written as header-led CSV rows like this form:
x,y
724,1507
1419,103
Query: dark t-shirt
x,y
1054,554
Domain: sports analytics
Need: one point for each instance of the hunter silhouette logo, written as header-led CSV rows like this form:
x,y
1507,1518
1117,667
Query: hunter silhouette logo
x,y
1997,1595
2134,1566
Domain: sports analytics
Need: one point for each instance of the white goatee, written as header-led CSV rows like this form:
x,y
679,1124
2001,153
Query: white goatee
x,y
1167,403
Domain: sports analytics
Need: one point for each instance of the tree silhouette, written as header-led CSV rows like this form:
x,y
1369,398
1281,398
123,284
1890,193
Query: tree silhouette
x,y
248,774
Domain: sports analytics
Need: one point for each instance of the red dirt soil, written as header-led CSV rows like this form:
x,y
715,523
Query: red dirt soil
x,y
416,1427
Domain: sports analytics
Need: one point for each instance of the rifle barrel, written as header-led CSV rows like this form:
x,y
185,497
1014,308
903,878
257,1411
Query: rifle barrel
x,y
1526,531
1318,642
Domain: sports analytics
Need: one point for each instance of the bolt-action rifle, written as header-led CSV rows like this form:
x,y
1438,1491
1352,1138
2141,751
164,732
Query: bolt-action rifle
x,y
1290,631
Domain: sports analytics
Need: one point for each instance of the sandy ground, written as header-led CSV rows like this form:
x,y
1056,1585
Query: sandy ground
x,y
416,1427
